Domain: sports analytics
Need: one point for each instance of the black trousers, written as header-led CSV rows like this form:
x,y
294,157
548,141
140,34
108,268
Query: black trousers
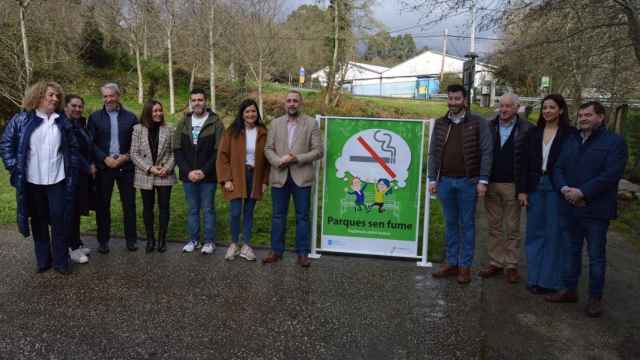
x,y
47,209
105,179
74,240
148,205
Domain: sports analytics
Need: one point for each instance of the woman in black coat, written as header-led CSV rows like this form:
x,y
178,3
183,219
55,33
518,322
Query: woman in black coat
x,y
85,195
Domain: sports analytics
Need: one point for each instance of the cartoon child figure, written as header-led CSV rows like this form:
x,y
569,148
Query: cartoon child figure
x,y
383,187
358,191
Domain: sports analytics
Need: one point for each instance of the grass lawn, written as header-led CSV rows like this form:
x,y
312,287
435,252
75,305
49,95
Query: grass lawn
x,y
405,108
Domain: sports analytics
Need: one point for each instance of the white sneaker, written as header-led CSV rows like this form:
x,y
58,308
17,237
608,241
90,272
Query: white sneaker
x,y
247,253
78,256
232,252
208,249
189,247
84,250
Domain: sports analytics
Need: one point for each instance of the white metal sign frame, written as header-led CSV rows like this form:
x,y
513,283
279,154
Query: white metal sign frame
x,y
315,201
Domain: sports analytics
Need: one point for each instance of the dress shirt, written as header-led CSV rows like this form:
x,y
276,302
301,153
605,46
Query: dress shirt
x,y
505,130
291,129
456,119
46,163
114,144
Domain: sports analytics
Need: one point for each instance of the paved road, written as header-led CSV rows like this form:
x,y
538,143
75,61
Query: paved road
x,y
518,325
187,306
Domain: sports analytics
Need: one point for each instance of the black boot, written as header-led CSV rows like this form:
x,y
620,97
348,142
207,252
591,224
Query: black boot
x,y
151,242
162,239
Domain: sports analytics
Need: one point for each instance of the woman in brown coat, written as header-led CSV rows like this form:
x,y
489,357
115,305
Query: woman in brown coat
x,y
243,171
152,154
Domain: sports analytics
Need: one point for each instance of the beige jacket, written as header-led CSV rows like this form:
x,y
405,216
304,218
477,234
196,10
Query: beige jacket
x,y
142,159
306,147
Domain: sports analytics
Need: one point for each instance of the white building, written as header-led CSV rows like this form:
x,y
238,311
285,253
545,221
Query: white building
x,y
417,77
354,70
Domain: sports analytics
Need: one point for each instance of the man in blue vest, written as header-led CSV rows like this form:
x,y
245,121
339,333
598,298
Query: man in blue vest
x,y
587,173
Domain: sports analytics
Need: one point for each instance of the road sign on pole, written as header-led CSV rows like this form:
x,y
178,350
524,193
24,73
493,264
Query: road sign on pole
x,y
301,79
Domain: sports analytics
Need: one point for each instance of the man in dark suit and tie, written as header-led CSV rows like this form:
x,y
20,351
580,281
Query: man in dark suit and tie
x,y
111,128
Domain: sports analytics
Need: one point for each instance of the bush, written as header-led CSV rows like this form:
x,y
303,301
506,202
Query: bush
x,y
155,75
92,51
449,79
632,136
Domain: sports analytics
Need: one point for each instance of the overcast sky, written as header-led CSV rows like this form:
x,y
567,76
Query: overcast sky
x,y
399,21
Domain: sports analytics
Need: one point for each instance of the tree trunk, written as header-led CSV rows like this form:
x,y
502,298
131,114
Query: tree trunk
x,y
633,19
212,59
145,42
620,115
25,42
172,103
338,81
192,78
139,71
331,81
260,107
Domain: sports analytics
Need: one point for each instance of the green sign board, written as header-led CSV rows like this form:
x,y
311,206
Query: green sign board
x,y
372,182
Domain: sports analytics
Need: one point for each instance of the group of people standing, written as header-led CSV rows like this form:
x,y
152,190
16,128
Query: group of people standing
x,y
63,165
565,177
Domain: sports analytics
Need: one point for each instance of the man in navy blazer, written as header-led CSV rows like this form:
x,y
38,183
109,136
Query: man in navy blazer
x,y
111,128
591,164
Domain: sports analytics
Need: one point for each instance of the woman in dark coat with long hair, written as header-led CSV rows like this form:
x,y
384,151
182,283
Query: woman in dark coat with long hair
x,y
544,244
86,194
40,152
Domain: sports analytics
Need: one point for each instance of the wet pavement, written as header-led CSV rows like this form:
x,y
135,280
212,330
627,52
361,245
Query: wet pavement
x,y
188,306
518,325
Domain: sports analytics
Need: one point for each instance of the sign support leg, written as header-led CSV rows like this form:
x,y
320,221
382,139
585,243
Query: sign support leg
x,y
427,209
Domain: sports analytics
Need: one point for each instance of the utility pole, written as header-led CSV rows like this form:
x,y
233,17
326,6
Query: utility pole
x,y
444,54
472,53
472,46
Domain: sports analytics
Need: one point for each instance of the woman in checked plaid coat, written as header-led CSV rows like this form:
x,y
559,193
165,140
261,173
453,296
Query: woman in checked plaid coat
x,y
152,154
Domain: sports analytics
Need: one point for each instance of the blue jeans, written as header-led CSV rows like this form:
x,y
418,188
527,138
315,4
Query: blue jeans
x,y
594,231
545,240
245,208
47,208
200,196
458,197
280,201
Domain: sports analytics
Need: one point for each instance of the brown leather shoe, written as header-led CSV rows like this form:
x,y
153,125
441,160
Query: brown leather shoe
x,y
445,271
272,258
563,296
464,275
490,271
513,277
304,261
594,308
